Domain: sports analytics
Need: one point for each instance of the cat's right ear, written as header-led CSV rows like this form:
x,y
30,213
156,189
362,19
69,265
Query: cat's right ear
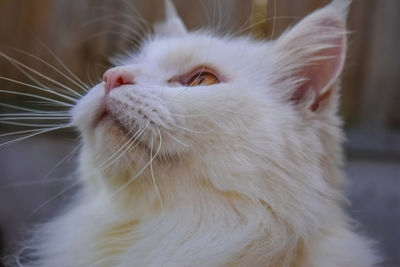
x,y
173,24
310,57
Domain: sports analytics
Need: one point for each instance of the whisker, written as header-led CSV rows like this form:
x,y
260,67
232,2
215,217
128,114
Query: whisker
x,y
110,20
141,170
54,197
38,73
37,96
33,119
27,109
152,172
63,114
85,86
232,32
209,26
44,103
250,26
27,124
88,75
176,139
189,130
141,26
274,21
147,27
36,132
197,115
139,16
53,68
130,143
41,182
40,88
275,18
19,132
129,38
30,77
70,154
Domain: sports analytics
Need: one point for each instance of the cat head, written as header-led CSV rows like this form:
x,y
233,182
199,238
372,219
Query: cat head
x,y
236,112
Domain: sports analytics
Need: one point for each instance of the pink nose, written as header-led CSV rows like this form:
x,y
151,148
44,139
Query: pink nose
x,y
117,76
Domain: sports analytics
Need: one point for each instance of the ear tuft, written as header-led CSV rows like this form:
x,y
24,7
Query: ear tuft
x,y
173,24
312,55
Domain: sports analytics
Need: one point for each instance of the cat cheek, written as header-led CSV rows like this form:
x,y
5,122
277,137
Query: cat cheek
x,y
87,109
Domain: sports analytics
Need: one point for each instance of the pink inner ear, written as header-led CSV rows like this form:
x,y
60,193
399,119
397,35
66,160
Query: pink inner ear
x,y
320,74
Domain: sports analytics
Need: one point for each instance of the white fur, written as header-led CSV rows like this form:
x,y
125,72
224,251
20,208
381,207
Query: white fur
x,y
244,176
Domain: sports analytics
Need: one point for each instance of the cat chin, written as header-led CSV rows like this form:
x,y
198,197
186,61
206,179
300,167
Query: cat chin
x,y
110,137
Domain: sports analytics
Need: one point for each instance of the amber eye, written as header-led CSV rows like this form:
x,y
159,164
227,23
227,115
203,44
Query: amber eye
x,y
203,78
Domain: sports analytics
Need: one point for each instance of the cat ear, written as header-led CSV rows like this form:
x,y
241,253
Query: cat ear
x,y
173,24
311,56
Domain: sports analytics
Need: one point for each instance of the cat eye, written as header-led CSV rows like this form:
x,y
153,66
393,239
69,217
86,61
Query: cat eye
x,y
203,78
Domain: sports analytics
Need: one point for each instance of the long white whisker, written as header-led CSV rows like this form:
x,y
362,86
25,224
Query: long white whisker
x,y
127,36
141,170
37,96
70,154
19,132
36,132
35,118
189,130
152,172
176,139
53,68
274,21
111,20
27,109
22,116
33,79
146,26
54,197
108,162
85,86
63,114
40,88
41,182
27,124
243,24
38,73
126,27
241,29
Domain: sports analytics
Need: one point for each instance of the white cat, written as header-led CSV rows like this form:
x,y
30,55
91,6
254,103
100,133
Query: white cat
x,y
209,151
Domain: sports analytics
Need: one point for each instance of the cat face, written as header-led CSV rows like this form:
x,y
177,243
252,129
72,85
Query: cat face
x,y
218,101
181,87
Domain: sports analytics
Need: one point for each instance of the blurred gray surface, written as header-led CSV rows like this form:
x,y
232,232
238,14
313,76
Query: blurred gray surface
x,y
31,191
375,197
33,175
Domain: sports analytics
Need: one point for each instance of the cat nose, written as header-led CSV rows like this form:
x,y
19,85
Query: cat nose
x,y
117,76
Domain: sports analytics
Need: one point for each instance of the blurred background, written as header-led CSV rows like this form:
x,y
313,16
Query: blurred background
x,y
36,175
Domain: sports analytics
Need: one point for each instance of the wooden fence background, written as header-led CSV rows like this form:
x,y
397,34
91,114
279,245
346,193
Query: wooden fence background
x,y
84,33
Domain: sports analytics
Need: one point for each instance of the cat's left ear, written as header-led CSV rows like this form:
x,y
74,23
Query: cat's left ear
x,y
310,57
173,24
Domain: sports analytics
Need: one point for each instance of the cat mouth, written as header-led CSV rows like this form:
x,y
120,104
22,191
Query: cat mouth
x,y
105,117
101,115
113,128
112,122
